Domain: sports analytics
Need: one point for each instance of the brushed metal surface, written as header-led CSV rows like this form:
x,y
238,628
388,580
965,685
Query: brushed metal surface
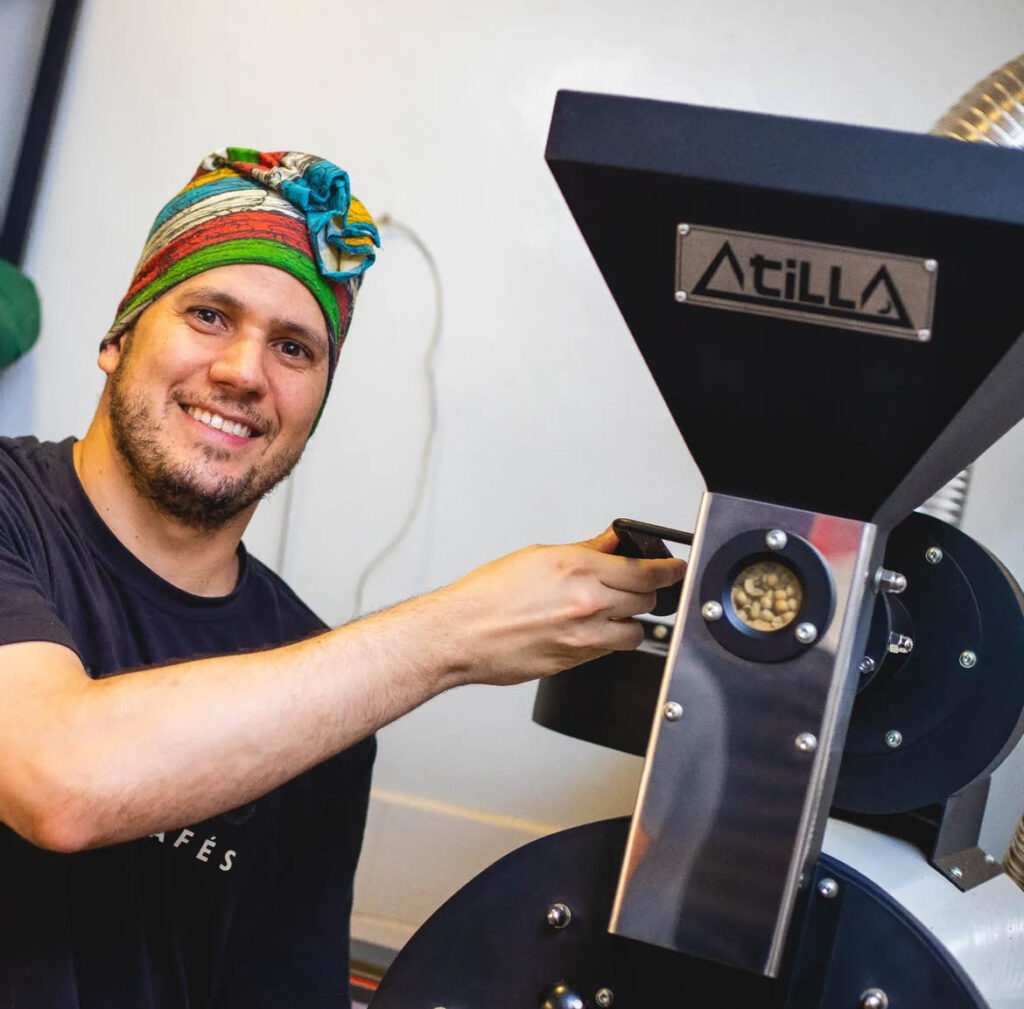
x,y
730,811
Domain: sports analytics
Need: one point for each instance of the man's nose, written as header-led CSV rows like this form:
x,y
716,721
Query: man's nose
x,y
240,363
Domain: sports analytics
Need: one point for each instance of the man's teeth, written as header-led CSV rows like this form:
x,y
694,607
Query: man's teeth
x,y
217,421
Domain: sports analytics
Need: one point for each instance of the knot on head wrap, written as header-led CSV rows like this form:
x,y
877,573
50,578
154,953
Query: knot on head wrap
x,y
285,209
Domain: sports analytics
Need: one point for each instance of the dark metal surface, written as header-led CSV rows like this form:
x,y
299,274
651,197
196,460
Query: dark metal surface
x,y
803,413
609,701
490,946
957,724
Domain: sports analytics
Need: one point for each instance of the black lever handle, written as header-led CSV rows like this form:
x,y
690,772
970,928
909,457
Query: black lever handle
x,y
642,539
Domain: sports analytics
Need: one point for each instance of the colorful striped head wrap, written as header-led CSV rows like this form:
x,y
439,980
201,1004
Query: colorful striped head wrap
x,y
285,209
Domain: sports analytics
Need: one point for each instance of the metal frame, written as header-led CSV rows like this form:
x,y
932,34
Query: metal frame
x,y
38,129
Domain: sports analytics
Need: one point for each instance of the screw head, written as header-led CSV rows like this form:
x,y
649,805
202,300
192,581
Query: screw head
x,y
968,659
828,888
673,711
956,872
900,644
604,997
558,915
660,632
933,555
776,540
680,296
874,998
806,742
806,633
990,859
924,335
930,265
867,665
711,610
683,229
894,739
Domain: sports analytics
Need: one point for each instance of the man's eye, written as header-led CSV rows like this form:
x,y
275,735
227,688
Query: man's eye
x,y
209,316
292,349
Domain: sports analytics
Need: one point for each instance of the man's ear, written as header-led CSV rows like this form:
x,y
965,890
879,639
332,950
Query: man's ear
x,y
110,354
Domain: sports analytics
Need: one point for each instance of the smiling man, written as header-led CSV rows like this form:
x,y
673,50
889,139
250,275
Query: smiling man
x,y
185,748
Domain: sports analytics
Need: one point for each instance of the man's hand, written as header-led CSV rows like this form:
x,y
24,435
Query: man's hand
x,y
546,608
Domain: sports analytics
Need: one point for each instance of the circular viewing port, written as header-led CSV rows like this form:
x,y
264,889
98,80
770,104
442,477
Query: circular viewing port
x,y
766,595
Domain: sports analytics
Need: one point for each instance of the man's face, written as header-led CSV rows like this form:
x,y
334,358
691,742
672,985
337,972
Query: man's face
x,y
214,391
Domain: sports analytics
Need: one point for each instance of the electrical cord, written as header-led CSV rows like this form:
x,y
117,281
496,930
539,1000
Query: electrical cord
x,y
387,221
430,379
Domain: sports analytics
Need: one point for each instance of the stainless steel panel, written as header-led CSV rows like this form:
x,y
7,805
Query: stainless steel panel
x,y
734,795
834,285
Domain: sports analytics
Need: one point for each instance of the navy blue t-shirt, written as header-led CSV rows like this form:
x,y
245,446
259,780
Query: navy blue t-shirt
x,y
247,910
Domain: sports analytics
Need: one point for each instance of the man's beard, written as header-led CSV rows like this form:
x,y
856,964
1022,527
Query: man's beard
x,y
176,489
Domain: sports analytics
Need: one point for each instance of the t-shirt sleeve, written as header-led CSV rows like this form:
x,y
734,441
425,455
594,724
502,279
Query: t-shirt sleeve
x,y
27,612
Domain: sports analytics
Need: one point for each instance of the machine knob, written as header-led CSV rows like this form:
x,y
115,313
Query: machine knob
x,y
561,996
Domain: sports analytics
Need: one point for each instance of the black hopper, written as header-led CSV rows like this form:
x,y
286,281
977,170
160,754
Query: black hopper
x,y
831,313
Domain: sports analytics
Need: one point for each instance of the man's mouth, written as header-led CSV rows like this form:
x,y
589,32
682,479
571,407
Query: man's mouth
x,y
219,423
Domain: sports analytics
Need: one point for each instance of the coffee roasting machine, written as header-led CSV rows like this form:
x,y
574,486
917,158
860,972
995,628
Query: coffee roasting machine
x,y
833,316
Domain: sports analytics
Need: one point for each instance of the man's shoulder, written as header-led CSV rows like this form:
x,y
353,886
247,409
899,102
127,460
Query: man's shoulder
x,y
28,454
30,469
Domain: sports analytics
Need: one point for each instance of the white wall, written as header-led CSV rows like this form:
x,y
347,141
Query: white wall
x,y
549,424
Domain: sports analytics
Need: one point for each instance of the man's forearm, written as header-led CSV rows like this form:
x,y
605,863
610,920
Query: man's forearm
x,y
129,755
91,762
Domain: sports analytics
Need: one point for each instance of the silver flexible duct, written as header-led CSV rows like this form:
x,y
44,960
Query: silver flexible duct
x,y
1013,864
992,112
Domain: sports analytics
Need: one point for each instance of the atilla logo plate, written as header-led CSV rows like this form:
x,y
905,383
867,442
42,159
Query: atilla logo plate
x,y
831,285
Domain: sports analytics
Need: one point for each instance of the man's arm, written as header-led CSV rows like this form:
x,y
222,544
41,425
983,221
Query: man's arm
x,y
86,762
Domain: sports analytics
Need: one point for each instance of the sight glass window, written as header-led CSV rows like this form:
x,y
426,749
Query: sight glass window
x,y
767,595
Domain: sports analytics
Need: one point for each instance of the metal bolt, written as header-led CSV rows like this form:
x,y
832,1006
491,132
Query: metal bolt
x,y
867,665
956,872
604,997
806,742
828,888
924,335
673,711
874,998
991,859
806,633
933,555
894,739
968,659
776,540
900,644
711,610
890,581
660,632
930,265
683,229
558,916
680,296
